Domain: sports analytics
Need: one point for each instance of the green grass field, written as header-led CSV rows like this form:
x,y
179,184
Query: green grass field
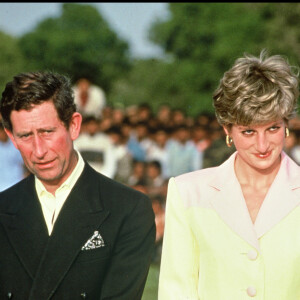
x,y
150,292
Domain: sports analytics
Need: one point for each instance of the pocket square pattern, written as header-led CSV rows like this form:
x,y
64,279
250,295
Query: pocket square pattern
x,y
95,241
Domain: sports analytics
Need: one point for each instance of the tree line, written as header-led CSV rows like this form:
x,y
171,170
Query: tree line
x,y
200,41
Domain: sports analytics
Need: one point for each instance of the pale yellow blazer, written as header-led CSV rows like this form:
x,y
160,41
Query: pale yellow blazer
x,y
213,251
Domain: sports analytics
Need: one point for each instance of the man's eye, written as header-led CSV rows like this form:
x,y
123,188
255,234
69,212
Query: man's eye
x,y
46,132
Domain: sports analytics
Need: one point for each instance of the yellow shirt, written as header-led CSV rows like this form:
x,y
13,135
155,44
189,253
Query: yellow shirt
x,y
213,251
51,205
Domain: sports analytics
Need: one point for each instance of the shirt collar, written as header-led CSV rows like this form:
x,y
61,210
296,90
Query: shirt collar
x,y
69,183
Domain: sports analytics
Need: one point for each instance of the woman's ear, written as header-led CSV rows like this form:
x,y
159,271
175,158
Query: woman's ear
x,y
226,130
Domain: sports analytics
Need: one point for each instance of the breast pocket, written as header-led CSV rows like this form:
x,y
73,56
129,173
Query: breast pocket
x,y
100,253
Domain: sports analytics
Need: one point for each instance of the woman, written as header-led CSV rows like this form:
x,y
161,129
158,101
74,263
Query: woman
x,y
233,232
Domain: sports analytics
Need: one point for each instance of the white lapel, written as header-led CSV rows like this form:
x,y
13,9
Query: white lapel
x,y
228,201
283,196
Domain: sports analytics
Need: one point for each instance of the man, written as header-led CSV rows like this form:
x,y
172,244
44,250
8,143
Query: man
x,y
181,145
66,231
96,147
89,98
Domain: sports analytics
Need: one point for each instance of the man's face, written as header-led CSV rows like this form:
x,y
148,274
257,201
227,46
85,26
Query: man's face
x,y
45,144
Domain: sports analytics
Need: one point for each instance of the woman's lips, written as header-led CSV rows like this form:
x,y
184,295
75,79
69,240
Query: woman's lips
x,y
263,155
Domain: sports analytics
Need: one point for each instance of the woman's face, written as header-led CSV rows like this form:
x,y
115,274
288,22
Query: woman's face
x,y
259,146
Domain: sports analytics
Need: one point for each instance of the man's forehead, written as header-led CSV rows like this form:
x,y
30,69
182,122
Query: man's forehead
x,y
37,114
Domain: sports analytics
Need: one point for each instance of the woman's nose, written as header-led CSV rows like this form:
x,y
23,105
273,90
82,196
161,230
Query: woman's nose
x,y
262,143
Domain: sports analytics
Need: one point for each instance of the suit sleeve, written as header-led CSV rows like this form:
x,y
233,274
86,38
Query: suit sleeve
x,y
180,255
130,262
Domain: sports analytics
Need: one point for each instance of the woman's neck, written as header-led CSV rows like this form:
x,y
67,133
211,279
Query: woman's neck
x,y
251,176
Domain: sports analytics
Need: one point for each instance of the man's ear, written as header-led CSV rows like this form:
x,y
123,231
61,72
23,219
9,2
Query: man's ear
x,y
11,136
75,125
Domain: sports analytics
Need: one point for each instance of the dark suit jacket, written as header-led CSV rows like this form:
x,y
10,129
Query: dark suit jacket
x,y
38,267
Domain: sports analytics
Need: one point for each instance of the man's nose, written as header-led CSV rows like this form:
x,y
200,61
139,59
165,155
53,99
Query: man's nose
x,y
40,147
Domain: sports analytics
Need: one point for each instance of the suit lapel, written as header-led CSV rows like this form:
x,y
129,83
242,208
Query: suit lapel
x,y
25,226
228,201
282,198
81,214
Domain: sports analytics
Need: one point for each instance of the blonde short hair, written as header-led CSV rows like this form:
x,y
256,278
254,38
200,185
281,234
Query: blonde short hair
x,y
257,90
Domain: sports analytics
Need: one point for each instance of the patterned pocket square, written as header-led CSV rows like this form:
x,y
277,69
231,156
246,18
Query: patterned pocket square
x,y
95,241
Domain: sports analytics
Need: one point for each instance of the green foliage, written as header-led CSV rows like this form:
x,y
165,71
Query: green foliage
x,y
204,39
151,287
78,43
11,60
159,82
201,41
282,22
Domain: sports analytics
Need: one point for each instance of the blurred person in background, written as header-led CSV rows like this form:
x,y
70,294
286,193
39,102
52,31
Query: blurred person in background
x,y
164,115
122,154
105,123
158,150
199,135
216,151
139,141
89,98
96,147
144,112
117,116
232,231
11,162
178,117
154,181
138,174
182,154
292,146
132,114
107,111
204,118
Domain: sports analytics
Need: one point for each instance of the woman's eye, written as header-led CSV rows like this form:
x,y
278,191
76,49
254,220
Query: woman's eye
x,y
247,132
274,128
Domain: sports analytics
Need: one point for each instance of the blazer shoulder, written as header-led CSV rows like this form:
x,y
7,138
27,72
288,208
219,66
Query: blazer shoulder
x,y
10,196
198,187
194,188
196,178
208,176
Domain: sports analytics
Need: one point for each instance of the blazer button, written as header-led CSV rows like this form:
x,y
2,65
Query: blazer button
x,y
251,291
252,254
9,295
83,295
